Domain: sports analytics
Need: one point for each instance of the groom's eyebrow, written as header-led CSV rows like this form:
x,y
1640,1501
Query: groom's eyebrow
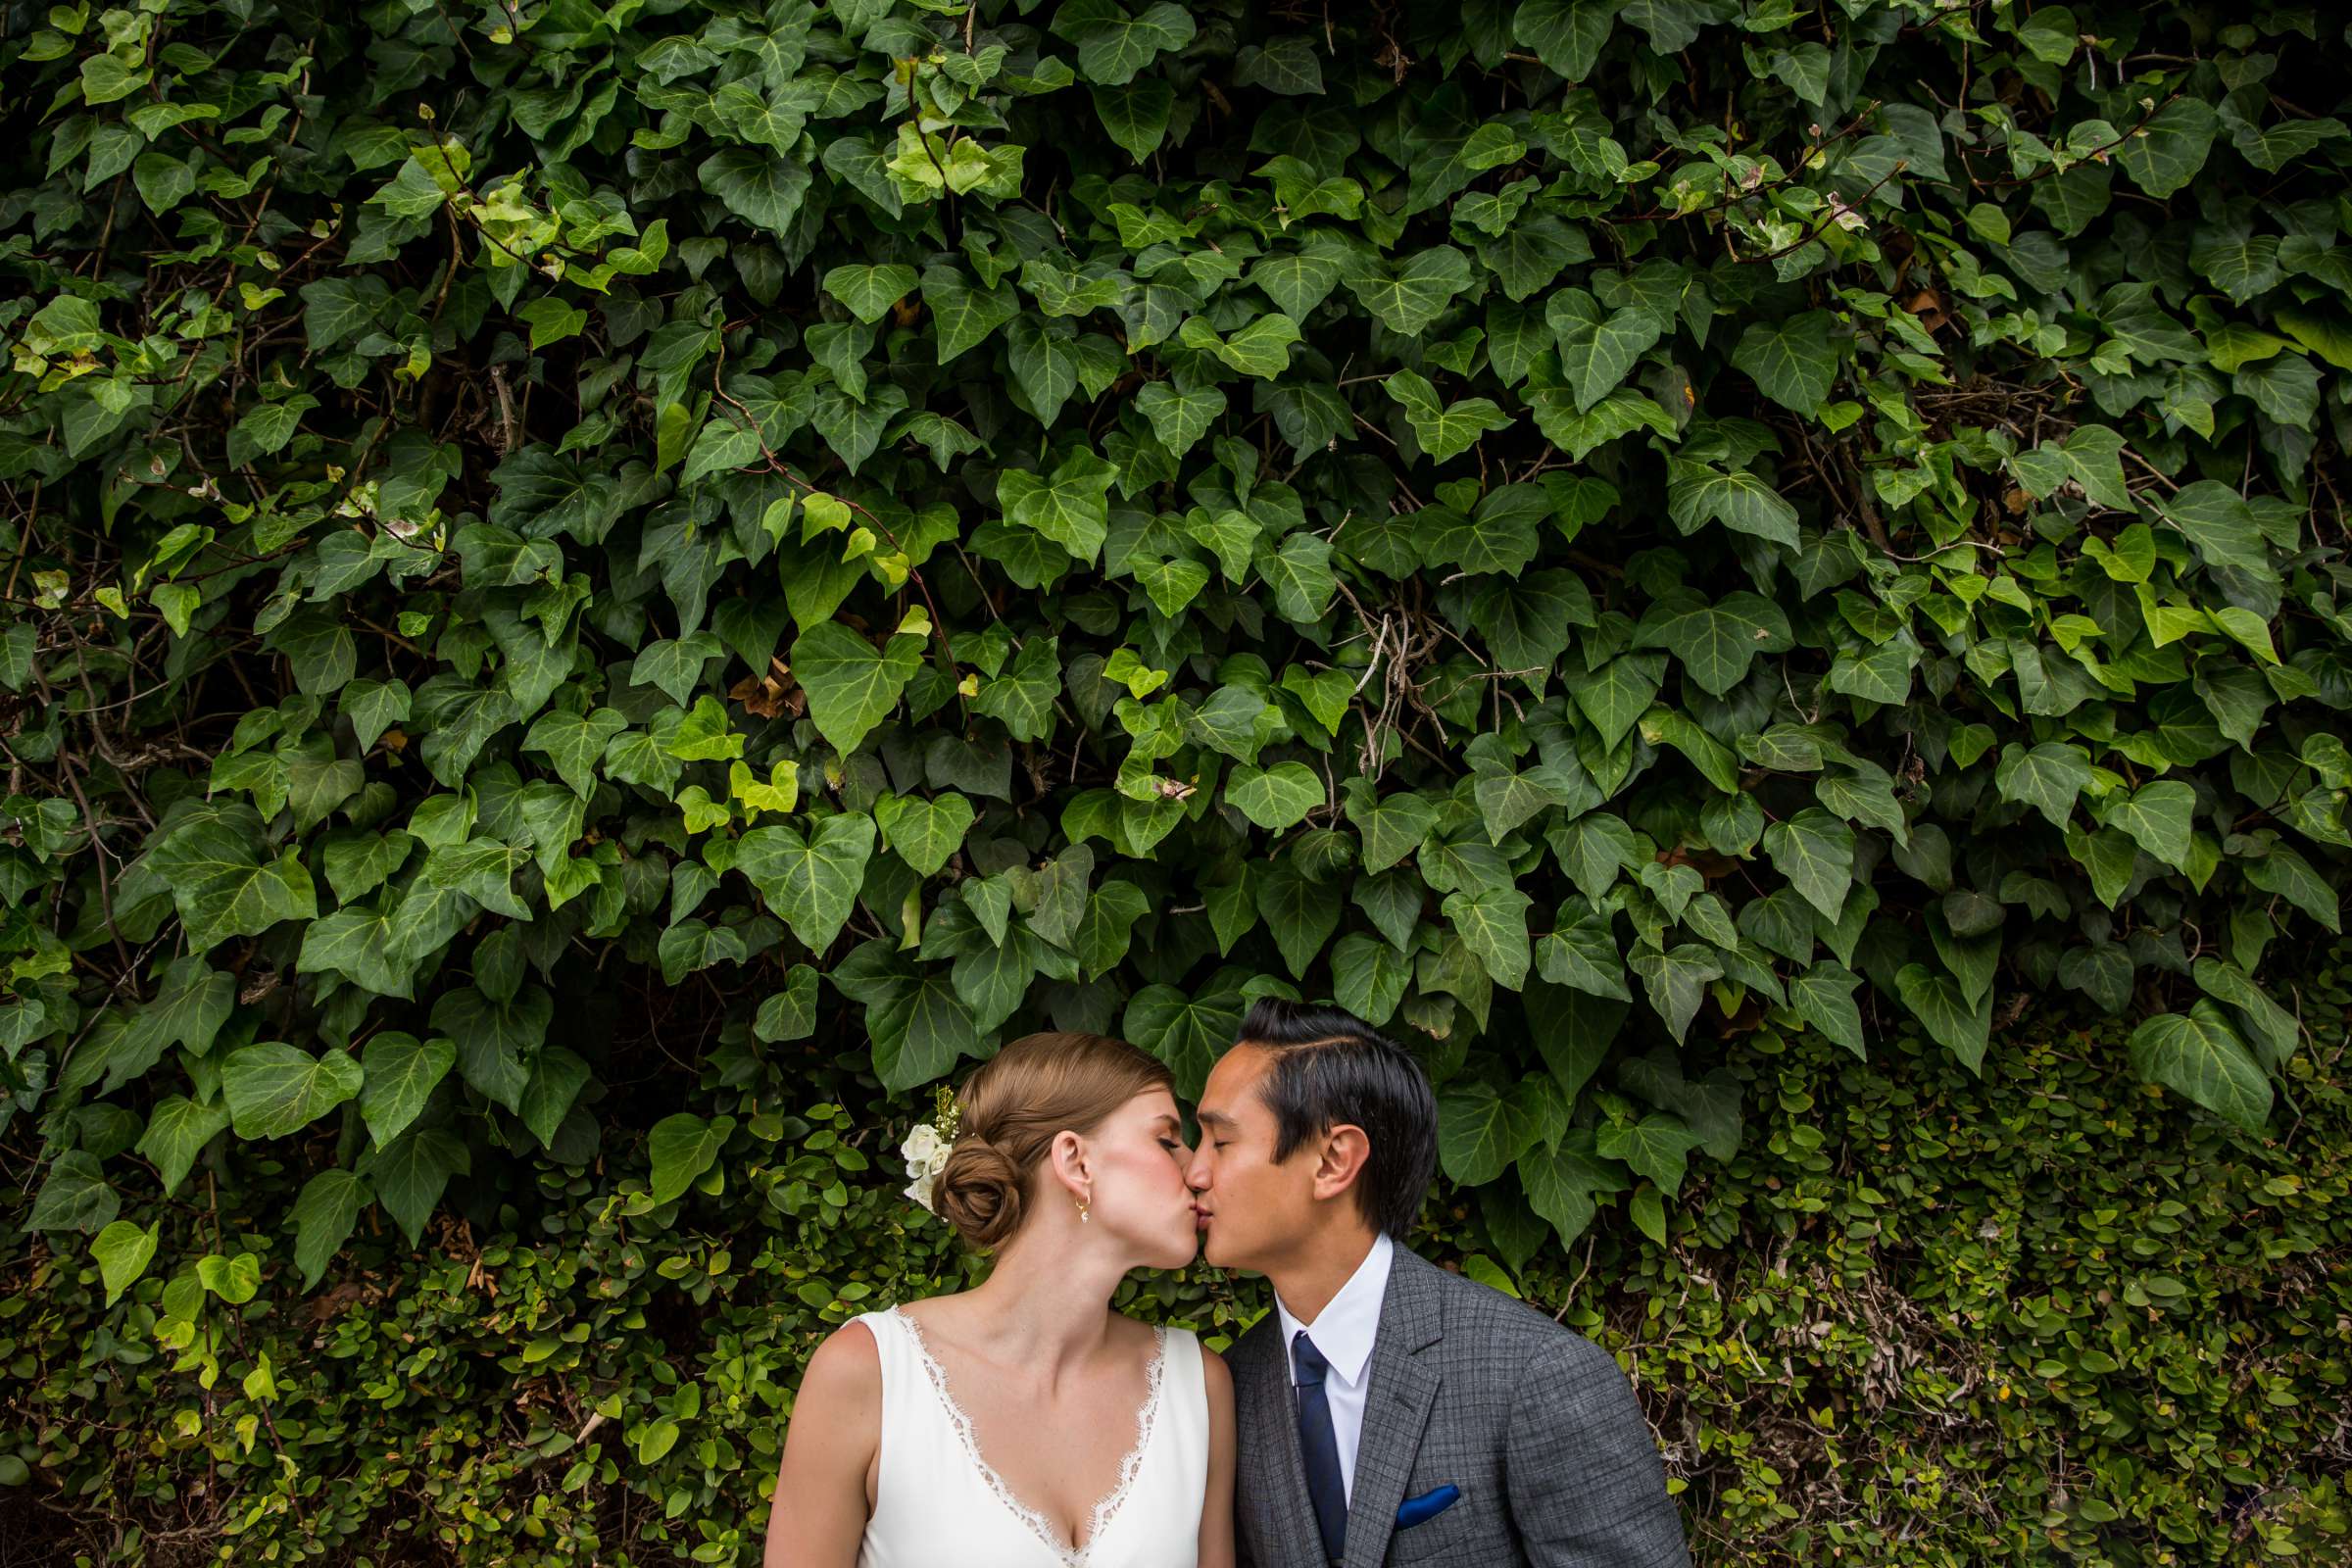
x,y
1213,1118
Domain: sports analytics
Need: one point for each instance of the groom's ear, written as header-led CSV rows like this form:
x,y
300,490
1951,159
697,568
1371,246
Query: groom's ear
x,y
1340,1159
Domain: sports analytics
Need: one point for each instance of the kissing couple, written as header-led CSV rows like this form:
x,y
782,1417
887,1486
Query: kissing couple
x,y
1385,1410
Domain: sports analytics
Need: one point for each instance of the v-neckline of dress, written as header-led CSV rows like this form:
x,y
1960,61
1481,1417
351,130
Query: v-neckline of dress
x,y
1107,1507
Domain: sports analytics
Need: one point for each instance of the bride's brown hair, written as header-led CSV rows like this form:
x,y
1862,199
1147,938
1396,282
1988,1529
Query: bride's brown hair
x,y
1035,1088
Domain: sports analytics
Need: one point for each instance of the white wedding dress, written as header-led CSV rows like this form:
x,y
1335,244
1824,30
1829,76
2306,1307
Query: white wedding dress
x,y
936,1503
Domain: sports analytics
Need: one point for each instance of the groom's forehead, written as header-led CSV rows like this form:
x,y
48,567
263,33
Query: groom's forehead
x,y
1232,1083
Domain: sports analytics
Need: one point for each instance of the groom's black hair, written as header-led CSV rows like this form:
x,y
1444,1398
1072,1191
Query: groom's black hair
x,y
1332,1068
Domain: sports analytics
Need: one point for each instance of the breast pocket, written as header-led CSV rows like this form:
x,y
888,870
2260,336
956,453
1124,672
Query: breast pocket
x,y
1469,1532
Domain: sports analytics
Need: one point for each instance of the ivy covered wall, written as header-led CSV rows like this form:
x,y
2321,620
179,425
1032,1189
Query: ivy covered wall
x,y
598,595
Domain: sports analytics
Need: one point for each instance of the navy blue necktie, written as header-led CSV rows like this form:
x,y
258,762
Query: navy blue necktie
x,y
1319,1446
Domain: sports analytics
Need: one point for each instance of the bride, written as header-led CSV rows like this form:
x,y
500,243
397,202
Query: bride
x,y
1022,1422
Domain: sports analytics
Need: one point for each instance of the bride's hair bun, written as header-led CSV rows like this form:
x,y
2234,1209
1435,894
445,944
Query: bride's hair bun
x,y
979,1192
1015,1105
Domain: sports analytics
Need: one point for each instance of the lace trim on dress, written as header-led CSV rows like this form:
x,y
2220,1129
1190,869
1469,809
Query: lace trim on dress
x,y
1104,1510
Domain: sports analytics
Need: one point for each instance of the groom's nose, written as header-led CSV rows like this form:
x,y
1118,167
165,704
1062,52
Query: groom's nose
x,y
1195,1171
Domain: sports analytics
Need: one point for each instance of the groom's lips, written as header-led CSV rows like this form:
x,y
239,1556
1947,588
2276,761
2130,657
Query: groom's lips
x,y
1200,1218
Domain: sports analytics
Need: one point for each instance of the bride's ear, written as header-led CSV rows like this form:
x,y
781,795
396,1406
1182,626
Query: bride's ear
x,y
1067,1159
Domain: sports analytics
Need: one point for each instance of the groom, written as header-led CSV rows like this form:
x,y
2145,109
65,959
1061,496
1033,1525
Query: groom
x,y
1390,1410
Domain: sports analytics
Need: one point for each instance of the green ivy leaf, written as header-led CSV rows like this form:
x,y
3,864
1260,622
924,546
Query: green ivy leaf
x,y
575,743
966,315
852,685
178,1129
681,1146
1180,416
1070,508
1815,851
223,886
1410,296
1275,798
1480,1132
1368,976
923,833
1493,923
401,1074
1392,825
324,1218
494,1038
1792,361
74,1197
1567,36
1136,115
363,946
1935,1000
870,290
791,1013
1444,430
1716,643
274,1089
811,880
2158,816
1824,996
1187,1033
1656,1147
412,1173
1300,914
1676,981
2049,777
124,1250
1597,349
1562,1183
2164,155
1741,501
1115,44
761,187
2198,1054
1614,697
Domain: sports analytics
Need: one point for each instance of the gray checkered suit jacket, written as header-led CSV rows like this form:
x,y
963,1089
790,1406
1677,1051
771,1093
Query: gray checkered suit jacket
x,y
1531,1421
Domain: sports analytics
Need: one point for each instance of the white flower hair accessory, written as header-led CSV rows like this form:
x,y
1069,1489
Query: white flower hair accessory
x,y
926,1147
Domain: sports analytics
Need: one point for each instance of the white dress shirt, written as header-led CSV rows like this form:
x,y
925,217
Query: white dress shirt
x,y
1344,1332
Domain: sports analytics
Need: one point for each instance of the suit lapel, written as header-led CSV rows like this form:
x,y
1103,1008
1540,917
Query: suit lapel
x,y
1403,1388
1276,1420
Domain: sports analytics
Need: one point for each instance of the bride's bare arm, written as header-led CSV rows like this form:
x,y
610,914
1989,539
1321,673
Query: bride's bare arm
x,y
818,1514
1216,1513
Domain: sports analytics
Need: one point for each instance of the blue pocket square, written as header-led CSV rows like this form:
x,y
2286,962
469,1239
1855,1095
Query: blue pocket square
x,y
1428,1505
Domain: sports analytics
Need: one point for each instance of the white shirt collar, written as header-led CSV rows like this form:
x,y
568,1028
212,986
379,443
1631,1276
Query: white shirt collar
x,y
1344,1330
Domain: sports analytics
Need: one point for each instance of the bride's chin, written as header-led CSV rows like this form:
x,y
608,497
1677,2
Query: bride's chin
x,y
1179,1255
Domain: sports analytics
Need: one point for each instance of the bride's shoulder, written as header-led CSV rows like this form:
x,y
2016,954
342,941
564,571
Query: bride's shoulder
x,y
1192,1364
853,1346
842,1380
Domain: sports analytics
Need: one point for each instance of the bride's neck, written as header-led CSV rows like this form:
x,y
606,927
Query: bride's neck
x,y
1046,1310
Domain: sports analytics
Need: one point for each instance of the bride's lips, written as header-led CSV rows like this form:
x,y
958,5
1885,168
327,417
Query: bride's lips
x,y
1200,1218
